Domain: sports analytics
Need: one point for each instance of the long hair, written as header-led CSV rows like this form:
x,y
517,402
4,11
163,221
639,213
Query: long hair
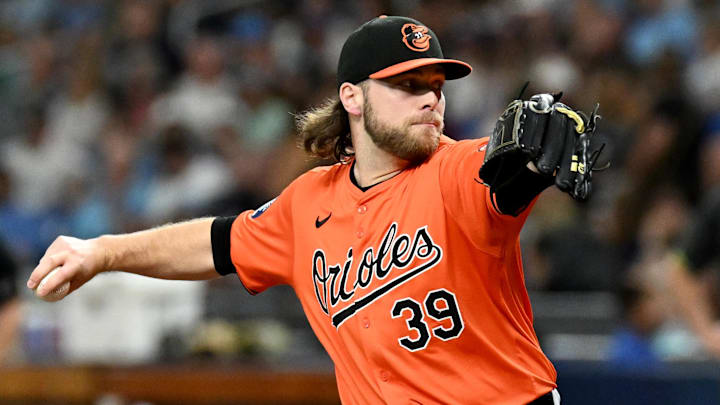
x,y
324,131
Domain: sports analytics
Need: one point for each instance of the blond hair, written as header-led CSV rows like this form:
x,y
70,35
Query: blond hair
x,y
324,131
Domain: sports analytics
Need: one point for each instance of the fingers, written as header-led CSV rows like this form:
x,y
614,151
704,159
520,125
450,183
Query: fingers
x,y
62,255
553,144
48,263
573,115
565,144
55,285
76,261
565,178
533,129
541,103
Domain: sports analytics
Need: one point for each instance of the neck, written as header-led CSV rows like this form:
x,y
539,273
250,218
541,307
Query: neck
x,y
372,164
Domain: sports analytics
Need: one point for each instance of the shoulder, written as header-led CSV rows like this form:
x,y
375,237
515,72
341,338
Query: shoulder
x,y
309,187
323,174
319,178
451,147
449,144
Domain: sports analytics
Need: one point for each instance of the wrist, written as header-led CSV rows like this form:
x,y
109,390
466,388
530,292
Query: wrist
x,y
105,258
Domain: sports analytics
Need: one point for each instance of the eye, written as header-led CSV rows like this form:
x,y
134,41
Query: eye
x,y
407,83
415,85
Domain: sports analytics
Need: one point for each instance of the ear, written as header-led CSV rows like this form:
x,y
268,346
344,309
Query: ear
x,y
352,98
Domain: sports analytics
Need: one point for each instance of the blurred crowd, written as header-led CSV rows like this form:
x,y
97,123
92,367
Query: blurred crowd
x,y
120,115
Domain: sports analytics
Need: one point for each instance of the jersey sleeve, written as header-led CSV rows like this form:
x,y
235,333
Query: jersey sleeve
x,y
261,244
468,200
700,243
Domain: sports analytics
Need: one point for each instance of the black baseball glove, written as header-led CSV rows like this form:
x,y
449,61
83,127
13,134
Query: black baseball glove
x,y
556,138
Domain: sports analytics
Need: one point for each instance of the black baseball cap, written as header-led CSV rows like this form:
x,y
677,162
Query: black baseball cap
x,y
388,45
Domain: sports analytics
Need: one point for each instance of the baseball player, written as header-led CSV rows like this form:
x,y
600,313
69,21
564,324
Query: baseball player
x,y
404,254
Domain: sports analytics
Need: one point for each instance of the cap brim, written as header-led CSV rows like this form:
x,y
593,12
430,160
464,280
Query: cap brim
x,y
454,69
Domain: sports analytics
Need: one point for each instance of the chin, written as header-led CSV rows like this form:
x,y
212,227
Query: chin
x,y
422,147
429,136
425,133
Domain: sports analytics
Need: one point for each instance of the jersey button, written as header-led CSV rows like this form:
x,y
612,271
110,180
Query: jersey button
x,y
360,234
366,322
362,209
384,375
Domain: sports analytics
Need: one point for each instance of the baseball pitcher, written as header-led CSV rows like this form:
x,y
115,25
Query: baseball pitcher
x,y
404,254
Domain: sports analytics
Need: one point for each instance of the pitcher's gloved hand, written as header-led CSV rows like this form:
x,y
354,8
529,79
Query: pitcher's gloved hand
x,y
556,138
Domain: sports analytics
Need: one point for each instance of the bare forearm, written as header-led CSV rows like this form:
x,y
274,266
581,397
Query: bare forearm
x,y
181,251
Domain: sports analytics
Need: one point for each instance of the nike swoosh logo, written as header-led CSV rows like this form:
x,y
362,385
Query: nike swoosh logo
x,y
319,223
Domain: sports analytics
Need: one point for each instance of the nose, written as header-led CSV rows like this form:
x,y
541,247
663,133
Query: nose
x,y
432,99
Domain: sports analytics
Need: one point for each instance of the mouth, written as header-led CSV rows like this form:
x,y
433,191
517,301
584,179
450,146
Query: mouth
x,y
434,124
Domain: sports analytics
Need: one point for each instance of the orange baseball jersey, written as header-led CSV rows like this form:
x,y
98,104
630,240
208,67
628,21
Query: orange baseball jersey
x,y
414,286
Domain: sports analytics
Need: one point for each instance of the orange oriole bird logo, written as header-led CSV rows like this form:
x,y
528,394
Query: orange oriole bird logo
x,y
416,37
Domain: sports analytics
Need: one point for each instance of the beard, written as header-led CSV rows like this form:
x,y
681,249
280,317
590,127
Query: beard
x,y
406,141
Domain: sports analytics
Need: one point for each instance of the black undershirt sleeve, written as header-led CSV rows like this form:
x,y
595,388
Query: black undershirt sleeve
x,y
220,238
515,195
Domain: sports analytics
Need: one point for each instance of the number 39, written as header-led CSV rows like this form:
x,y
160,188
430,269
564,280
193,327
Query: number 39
x,y
417,320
